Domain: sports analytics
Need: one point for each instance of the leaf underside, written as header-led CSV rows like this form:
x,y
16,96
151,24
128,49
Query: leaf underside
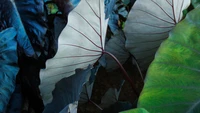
x,y
148,24
80,43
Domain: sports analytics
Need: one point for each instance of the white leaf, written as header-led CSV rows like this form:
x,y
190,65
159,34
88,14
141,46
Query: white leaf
x,y
80,43
149,23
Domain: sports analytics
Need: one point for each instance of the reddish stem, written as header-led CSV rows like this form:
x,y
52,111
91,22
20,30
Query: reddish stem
x,y
125,75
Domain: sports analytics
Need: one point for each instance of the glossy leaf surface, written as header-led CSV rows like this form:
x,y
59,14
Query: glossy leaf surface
x,y
172,81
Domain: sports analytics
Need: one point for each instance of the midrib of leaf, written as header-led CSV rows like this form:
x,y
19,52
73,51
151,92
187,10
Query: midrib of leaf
x,y
163,10
194,105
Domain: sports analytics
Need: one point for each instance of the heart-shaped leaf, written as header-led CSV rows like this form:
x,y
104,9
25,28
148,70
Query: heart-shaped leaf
x,y
172,81
80,44
148,24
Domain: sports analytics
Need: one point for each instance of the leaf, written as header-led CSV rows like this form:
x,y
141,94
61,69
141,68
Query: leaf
x,y
115,10
65,6
80,44
68,90
126,2
33,19
121,9
15,102
137,110
111,14
59,25
109,5
195,3
116,46
12,19
8,65
111,96
87,88
148,24
172,81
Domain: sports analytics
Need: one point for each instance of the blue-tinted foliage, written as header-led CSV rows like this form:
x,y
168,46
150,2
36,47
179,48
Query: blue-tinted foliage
x,y
32,16
10,18
15,104
68,91
8,65
114,9
65,6
94,73
75,2
109,5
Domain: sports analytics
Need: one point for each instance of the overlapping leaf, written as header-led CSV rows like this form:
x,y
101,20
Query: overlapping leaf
x,y
8,65
148,24
33,19
68,90
11,18
111,96
87,88
172,82
65,6
80,43
116,46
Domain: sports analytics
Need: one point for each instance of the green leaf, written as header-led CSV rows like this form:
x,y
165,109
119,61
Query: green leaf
x,y
137,110
172,82
195,3
148,24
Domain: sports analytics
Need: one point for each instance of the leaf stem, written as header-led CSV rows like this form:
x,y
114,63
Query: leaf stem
x,y
138,67
125,75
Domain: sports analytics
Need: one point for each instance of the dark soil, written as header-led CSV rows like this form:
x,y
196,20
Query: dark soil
x,y
105,80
